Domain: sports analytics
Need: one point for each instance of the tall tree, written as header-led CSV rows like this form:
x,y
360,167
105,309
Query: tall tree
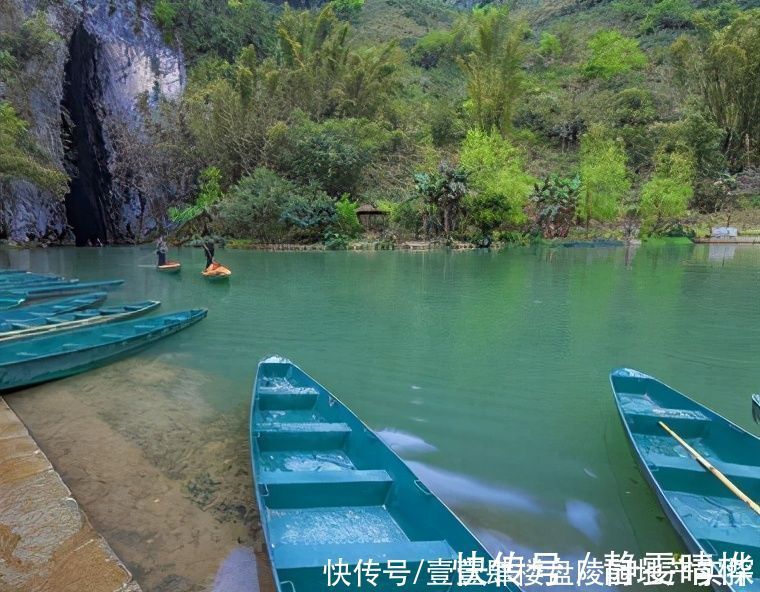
x,y
665,196
723,68
604,176
494,70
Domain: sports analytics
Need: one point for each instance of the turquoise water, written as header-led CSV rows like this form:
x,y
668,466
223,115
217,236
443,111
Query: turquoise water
x,y
488,371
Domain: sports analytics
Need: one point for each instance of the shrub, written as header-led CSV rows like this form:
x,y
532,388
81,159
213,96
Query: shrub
x,y
604,176
555,202
549,45
665,196
501,185
432,48
403,216
347,221
164,12
333,154
668,14
309,214
253,207
611,54
347,9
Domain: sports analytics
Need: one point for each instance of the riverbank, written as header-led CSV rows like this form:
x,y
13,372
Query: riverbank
x,y
46,542
171,495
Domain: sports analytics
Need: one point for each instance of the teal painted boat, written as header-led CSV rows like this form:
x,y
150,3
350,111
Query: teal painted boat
x,y
329,489
756,408
30,314
36,284
26,277
75,320
15,297
709,517
40,359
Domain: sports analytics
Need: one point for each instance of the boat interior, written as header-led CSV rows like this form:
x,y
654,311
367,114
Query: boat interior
x,y
718,519
330,489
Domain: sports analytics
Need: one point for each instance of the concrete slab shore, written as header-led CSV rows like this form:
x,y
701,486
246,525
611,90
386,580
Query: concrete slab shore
x,y
46,542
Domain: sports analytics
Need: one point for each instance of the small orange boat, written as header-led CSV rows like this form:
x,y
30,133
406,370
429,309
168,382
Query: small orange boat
x,y
170,267
216,271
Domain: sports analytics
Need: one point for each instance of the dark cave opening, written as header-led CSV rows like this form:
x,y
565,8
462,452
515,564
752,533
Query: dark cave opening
x,y
86,154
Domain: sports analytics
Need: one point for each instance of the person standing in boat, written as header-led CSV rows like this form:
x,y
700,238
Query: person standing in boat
x,y
161,250
208,247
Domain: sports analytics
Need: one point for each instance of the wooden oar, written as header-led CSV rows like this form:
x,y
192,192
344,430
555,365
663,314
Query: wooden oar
x,y
708,465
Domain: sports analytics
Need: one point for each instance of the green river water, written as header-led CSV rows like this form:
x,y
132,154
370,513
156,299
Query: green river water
x,y
487,370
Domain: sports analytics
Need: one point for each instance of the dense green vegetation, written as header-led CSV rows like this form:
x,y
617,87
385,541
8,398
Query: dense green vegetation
x,y
474,125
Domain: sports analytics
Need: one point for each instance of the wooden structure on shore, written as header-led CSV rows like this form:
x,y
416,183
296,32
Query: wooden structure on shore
x,y
729,240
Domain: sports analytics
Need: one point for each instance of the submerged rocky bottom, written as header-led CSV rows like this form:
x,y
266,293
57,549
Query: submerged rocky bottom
x,y
163,477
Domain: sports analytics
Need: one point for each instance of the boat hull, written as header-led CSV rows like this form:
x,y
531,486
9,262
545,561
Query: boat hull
x,y
707,516
75,320
171,267
89,348
216,272
329,489
66,305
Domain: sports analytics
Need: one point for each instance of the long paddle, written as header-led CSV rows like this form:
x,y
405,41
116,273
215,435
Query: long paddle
x,y
706,464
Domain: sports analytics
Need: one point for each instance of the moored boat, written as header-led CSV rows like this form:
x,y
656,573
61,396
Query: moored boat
x,y
44,358
216,271
709,514
10,331
14,297
27,277
170,267
56,307
36,284
329,489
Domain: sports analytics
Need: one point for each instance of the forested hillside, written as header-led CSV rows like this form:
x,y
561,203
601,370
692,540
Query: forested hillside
x,y
498,121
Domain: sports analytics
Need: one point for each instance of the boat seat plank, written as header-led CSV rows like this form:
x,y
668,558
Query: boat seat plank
x,y
722,521
314,477
316,556
310,489
287,390
687,463
284,401
295,427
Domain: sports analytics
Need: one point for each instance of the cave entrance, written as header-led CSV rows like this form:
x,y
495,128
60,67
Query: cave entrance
x,y
86,155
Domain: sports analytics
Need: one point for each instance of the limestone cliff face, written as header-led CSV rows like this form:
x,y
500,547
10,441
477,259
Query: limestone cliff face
x,y
83,95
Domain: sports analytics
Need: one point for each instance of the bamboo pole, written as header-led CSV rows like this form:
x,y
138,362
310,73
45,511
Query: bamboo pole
x,y
708,465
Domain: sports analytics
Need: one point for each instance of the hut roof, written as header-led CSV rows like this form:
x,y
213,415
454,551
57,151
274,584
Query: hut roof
x,y
368,209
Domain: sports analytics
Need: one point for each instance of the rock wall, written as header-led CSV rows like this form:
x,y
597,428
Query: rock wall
x,y
129,61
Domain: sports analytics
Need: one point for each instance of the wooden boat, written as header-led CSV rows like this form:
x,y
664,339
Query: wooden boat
x,y
55,307
328,488
170,267
14,297
216,271
49,357
74,320
27,277
708,515
35,284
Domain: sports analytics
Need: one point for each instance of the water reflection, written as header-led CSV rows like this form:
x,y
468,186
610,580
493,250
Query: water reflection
x,y
237,573
584,518
456,489
404,443
721,253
